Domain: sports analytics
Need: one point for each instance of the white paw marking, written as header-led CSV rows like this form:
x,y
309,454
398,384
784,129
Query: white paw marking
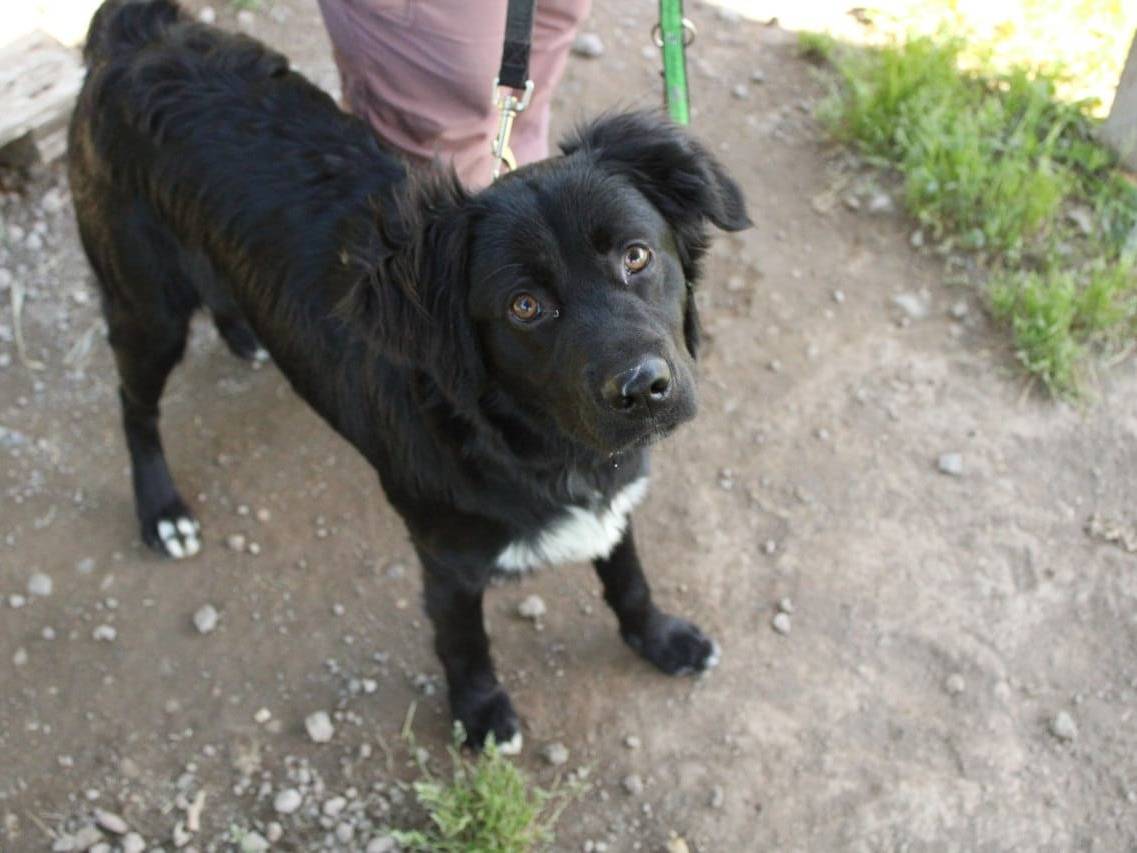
x,y
579,535
180,537
714,657
513,745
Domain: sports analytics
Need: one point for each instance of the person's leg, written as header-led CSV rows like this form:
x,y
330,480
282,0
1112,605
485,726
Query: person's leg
x,y
554,27
421,72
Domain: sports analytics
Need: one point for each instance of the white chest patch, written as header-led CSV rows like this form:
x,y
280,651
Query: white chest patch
x,y
578,535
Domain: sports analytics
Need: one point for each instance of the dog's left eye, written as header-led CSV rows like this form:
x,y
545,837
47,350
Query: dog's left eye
x,y
637,258
525,307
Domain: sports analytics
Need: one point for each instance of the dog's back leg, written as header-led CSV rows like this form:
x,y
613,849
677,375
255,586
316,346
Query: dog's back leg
x,y
145,352
231,324
148,300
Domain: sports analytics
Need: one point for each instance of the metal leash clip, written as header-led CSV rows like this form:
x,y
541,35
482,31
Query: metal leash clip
x,y
508,106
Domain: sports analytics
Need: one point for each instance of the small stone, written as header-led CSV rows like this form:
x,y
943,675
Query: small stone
x,y
207,15
254,548
111,822
1063,726
555,753
757,76
132,842
246,20
236,542
104,633
782,623
20,658
274,831
912,304
262,716
16,601
206,618
588,45
254,842
959,310
181,835
40,585
334,806
263,515
717,798
951,464
880,202
633,784
382,844
344,832
677,845
319,727
741,91
532,607
85,566
786,605
287,801
632,742
954,684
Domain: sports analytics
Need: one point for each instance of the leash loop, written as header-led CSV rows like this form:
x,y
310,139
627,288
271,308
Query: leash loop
x,y
509,106
513,77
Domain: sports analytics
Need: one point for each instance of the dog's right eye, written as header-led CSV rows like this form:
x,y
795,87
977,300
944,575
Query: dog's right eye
x,y
525,307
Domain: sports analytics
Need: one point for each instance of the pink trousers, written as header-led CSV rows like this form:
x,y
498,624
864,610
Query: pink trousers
x,y
422,71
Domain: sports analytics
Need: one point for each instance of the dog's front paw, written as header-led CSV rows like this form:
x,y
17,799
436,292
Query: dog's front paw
x,y
484,714
173,531
674,645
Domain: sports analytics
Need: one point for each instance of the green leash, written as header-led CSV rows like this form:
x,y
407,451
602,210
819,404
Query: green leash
x,y
674,33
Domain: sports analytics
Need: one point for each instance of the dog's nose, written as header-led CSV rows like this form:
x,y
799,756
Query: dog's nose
x,y
648,381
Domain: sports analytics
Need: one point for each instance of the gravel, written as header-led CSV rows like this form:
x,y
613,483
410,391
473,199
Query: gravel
x,y
633,784
588,45
206,619
287,801
111,822
632,742
382,844
319,727
556,753
104,633
913,305
717,798
1063,726
532,607
954,684
40,585
951,464
782,623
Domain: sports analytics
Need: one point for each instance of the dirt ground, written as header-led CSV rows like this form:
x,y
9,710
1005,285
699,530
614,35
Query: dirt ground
x,y
961,669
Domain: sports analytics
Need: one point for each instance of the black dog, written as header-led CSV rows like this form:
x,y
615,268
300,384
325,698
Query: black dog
x,y
502,359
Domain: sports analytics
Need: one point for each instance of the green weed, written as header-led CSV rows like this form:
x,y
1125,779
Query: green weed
x,y
995,163
488,805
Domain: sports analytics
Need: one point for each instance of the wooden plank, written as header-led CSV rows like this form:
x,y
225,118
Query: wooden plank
x,y
39,81
1120,129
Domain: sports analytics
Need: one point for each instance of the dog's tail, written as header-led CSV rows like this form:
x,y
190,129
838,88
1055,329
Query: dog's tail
x,y
122,26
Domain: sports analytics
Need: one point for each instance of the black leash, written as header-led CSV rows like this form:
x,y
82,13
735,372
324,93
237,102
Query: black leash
x,y
512,77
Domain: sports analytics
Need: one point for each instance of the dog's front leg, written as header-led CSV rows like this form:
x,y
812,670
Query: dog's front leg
x,y
477,699
672,644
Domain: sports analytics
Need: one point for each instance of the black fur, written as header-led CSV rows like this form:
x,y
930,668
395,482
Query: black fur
x,y
207,174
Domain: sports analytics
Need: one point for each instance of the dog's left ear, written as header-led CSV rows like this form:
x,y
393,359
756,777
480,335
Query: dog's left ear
x,y
683,180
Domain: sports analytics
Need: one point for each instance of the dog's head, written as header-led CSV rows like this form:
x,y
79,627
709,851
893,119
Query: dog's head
x,y
567,286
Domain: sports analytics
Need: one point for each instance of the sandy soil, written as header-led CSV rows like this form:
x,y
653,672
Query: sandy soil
x,y
961,669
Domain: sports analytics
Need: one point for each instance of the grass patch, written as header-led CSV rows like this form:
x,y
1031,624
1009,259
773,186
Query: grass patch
x,y
487,805
994,163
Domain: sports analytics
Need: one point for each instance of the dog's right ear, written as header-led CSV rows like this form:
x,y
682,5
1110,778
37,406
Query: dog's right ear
x,y
411,300
677,174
